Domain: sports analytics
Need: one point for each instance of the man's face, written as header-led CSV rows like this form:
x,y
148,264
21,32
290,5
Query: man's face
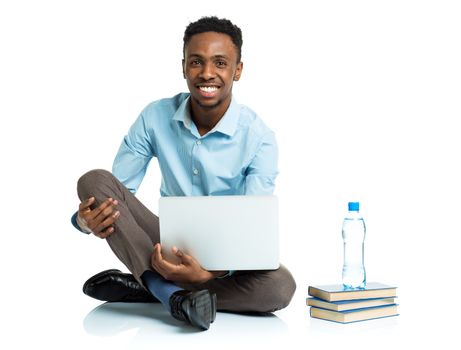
x,y
210,68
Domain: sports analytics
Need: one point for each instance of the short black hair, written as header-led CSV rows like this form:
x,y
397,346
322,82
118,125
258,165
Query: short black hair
x,y
218,25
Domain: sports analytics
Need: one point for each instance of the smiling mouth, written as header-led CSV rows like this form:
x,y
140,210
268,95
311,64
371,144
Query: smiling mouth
x,y
208,91
208,88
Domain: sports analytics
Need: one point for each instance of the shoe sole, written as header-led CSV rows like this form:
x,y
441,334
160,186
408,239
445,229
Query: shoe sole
x,y
205,306
214,304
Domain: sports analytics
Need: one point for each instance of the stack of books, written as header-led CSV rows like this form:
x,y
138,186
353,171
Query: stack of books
x,y
334,303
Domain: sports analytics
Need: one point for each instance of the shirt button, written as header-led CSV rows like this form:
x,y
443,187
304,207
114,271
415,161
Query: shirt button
x,y
195,171
198,142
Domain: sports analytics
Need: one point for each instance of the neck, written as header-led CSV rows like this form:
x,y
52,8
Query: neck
x,y
206,118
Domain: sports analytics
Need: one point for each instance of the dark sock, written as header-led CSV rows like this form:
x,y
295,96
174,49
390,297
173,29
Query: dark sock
x,y
159,287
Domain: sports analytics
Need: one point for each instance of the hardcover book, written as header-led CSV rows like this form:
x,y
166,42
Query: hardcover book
x,y
345,305
354,315
337,292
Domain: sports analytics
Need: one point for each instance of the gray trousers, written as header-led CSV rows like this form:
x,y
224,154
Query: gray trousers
x,y
137,231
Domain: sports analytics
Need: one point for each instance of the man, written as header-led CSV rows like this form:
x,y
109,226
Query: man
x,y
206,144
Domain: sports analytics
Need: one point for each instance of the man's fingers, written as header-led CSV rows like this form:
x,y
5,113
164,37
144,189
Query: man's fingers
x,y
108,211
101,219
108,203
108,221
106,233
185,258
157,259
86,203
177,252
161,265
101,208
157,255
166,269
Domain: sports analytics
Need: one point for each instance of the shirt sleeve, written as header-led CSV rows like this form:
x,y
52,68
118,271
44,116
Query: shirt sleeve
x,y
263,169
75,222
134,155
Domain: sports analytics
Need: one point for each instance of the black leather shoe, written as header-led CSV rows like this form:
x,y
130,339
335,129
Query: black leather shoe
x,y
195,308
113,285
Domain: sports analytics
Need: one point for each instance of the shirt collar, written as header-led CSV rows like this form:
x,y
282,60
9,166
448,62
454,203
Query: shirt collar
x,y
227,125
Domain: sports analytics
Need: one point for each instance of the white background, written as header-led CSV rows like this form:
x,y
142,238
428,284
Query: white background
x,y
363,97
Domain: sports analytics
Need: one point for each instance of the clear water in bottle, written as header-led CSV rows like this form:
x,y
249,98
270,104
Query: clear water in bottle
x,y
354,232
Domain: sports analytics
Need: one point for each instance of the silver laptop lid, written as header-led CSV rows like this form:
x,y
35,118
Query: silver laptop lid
x,y
222,232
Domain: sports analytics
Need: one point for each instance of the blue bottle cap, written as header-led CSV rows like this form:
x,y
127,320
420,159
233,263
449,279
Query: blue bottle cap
x,y
353,206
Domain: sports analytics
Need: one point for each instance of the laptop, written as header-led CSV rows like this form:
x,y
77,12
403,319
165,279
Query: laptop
x,y
222,232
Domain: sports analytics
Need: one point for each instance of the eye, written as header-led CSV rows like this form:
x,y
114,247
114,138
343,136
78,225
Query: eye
x,y
195,62
221,64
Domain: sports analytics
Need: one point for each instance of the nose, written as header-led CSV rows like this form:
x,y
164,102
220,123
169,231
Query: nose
x,y
208,71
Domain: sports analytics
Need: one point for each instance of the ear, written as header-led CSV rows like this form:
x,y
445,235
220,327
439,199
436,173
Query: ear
x,y
183,68
238,71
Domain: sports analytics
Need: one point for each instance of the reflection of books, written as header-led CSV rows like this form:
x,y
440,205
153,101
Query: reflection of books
x,y
354,315
349,304
336,292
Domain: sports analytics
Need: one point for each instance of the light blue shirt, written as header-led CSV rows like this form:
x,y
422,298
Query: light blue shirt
x,y
237,157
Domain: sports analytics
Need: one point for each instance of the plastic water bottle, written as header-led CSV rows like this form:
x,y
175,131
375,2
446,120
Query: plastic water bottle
x,y
354,236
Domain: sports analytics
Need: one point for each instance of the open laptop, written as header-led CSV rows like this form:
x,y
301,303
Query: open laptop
x,y
222,232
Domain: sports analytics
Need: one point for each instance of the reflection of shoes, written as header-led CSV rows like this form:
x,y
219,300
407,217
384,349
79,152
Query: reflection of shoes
x,y
113,285
196,308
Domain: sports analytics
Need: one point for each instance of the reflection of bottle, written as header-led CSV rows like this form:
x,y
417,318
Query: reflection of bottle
x,y
354,236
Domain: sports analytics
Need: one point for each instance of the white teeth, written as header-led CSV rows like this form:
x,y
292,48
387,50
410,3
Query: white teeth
x,y
208,88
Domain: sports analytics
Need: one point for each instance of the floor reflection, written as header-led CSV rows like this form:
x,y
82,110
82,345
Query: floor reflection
x,y
152,323
386,325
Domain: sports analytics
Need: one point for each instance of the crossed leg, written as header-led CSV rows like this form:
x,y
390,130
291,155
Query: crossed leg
x,y
137,231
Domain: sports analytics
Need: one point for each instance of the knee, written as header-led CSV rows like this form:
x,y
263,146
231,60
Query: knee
x,y
92,180
279,291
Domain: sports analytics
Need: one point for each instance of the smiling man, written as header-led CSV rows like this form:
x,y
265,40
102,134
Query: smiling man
x,y
206,144
211,64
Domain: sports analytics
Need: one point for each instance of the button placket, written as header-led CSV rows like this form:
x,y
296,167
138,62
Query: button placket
x,y
195,167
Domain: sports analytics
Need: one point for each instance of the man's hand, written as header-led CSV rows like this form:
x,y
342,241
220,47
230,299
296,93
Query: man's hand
x,y
101,219
187,271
